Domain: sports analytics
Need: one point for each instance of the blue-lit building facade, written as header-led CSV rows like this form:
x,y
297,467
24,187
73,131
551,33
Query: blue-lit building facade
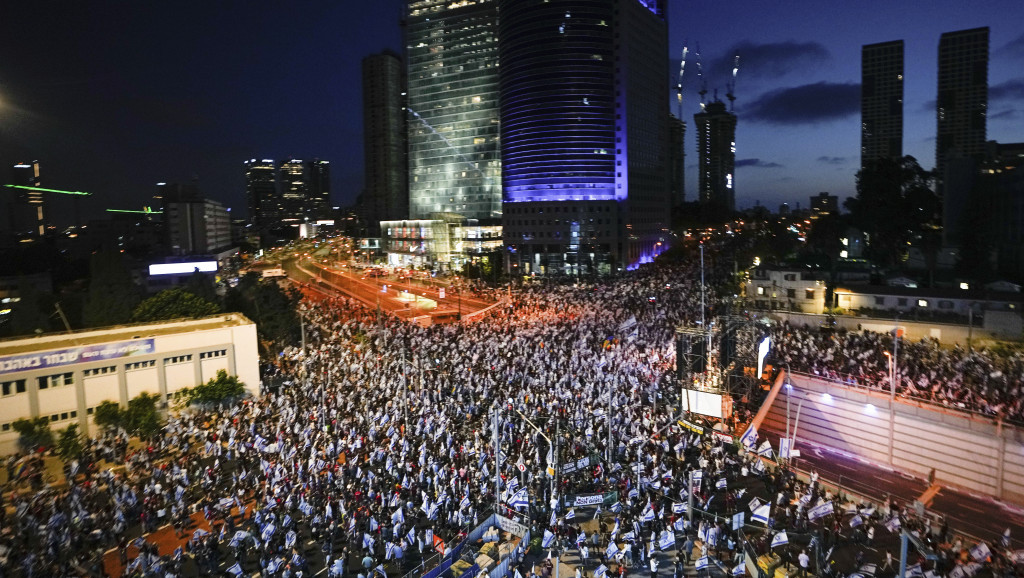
x,y
452,75
584,137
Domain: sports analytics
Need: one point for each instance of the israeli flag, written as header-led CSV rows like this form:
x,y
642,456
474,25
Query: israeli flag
x,y
819,511
758,466
648,514
411,536
667,540
765,449
601,570
698,475
702,562
432,511
678,507
267,532
582,537
893,524
633,493
720,484
398,517
980,552
273,565
856,521
749,437
754,504
629,536
548,539
306,508
368,541
611,550
462,504
289,539
520,500
679,525
616,507
236,569
739,570
780,539
389,550
761,514
373,524
570,514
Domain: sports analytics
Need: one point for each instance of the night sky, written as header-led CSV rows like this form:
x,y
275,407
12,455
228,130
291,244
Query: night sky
x,y
113,97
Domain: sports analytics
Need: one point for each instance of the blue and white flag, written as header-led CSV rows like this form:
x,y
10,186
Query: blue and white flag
x,y
819,511
761,514
463,504
611,550
374,525
520,500
432,511
720,484
780,539
368,541
759,466
629,536
739,570
1005,540
390,550
616,507
702,562
236,569
548,539
856,521
581,537
273,565
698,475
289,539
678,507
679,525
570,514
601,570
667,540
633,493
765,449
980,552
749,437
398,517
893,524
306,508
267,532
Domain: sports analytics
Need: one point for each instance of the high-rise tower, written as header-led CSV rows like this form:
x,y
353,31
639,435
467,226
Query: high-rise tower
x,y
584,104
318,191
881,101
962,100
294,191
386,169
27,210
261,193
716,157
454,164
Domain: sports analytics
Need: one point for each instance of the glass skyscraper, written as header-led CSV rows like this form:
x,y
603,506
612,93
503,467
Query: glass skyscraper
x,y
452,55
881,101
584,109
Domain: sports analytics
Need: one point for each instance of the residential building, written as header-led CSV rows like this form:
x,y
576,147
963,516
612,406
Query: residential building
x,y
823,205
881,102
716,157
193,224
962,99
318,200
294,191
265,208
25,208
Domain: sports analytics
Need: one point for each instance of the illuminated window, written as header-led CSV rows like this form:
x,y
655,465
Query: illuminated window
x,y
922,302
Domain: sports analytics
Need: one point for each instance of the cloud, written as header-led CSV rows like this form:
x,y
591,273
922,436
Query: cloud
x,y
773,59
831,160
757,163
1013,49
1008,114
1012,89
806,104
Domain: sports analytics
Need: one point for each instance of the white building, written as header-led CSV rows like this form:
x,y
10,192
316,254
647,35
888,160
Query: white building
x,y
788,289
66,376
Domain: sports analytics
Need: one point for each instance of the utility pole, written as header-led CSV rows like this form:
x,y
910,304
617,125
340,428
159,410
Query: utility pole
x,y
497,464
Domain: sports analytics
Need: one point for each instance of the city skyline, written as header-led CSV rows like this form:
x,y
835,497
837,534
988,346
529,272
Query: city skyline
x,y
114,99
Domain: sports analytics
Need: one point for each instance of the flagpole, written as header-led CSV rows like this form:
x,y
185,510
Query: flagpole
x,y
546,438
497,464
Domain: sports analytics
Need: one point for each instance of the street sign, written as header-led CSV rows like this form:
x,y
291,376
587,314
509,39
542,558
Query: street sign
x,y
440,293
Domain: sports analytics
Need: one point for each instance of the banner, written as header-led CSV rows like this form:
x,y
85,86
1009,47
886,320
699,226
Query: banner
x,y
588,500
691,426
72,355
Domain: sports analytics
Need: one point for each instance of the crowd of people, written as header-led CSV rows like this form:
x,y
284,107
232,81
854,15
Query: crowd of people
x,y
982,380
379,447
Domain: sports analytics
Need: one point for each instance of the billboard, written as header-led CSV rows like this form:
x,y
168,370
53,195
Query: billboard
x,y
704,403
183,268
72,355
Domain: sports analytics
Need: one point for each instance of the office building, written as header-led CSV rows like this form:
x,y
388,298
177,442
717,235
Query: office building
x,y
677,159
962,99
294,191
584,131
386,193
26,209
65,377
261,193
193,224
716,158
881,101
823,205
318,200
454,164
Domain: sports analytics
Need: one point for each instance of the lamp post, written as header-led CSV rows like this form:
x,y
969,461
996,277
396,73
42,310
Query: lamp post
x,y
550,445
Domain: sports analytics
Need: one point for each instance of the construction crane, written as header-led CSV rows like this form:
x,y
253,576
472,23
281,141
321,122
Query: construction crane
x,y
731,86
679,84
703,82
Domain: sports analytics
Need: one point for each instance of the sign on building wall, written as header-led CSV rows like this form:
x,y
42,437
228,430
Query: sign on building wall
x,y
72,355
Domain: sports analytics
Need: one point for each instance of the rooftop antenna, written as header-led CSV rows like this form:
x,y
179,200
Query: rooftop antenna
x,y
731,86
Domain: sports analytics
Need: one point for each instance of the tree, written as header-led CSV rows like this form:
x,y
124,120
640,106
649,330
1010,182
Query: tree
x,y
108,415
112,293
894,205
202,286
176,303
141,417
33,433
272,308
32,312
224,389
69,444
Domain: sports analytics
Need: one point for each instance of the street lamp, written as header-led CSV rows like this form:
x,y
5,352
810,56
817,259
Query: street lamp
x,y
550,445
